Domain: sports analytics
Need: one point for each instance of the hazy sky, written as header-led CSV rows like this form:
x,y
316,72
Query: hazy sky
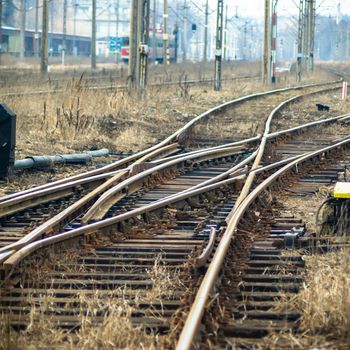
x,y
255,7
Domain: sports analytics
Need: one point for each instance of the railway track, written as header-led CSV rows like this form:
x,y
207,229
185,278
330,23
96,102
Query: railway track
x,y
267,268
152,238
86,85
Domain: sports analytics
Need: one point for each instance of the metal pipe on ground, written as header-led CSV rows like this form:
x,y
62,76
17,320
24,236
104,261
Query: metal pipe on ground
x,y
49,161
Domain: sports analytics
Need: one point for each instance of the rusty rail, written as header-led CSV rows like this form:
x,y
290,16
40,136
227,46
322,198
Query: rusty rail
x,y
201,188
179,135
196,313
202,259
134,183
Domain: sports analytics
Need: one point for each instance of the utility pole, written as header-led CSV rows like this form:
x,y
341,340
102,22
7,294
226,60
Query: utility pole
x,y
205,46
218,52
142,42
184,33
310,34
133,46
36,35
166,56
267,46
138,49
23,29
44,38
245,49
64,42
305,33
93,36
176,43
225,35
300,41
274,41
154,31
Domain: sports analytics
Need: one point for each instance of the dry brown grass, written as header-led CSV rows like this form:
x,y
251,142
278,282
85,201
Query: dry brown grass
x,y
306,111
324,304
79,118
113,330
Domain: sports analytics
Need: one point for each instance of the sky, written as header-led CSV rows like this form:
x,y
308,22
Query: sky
x,y
255,8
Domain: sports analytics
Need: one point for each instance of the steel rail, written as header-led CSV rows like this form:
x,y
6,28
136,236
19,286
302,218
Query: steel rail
x,y
150,153
123,87
202,259
66,215
10,258
231,144
198,307
178,135
258,168
266,135
231,172
30,199
203,115
106,223
106,201
134,183
196,313
182,132
310,124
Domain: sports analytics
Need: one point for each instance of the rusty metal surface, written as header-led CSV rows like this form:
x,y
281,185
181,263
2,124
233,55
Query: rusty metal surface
x,y
184,192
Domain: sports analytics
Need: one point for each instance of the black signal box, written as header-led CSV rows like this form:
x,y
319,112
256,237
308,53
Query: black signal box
x,y
7,139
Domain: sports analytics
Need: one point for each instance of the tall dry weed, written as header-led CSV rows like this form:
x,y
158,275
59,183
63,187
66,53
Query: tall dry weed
x,y
324,305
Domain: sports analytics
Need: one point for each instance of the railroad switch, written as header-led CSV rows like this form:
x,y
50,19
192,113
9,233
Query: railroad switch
x,y
7,139
291,238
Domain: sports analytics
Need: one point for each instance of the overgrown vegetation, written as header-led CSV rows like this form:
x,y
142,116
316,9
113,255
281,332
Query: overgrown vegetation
x,y
105,319
324,305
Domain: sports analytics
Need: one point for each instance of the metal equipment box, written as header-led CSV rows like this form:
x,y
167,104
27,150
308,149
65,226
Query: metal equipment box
x,y
7,139
342,190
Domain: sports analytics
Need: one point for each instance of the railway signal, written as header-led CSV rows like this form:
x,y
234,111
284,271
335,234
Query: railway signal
x,y
138,48
205,46
267,44
274,41
310,28
300,41
7,139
